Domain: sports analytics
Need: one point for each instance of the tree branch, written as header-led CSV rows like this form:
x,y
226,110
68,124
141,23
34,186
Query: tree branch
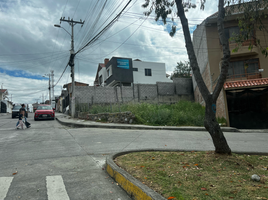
x,y
190,50
225,49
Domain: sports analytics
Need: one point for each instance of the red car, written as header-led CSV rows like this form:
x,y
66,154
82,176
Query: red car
x,y
44,111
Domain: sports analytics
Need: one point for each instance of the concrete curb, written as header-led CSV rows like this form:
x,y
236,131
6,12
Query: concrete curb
x,y
138,127
134,187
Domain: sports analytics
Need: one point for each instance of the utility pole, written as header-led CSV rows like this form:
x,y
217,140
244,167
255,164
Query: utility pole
x,y
72,23
52,85
49,88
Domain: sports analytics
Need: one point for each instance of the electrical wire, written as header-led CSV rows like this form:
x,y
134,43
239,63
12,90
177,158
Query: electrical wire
x,y
61,75
103,30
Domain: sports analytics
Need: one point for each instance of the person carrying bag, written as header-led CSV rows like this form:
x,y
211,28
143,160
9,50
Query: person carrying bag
x,y
22,114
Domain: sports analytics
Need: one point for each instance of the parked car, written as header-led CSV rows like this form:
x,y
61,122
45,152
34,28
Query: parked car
x,y
16,111
44,111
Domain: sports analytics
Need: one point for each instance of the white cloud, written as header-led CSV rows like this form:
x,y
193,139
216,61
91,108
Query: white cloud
x,y
30,42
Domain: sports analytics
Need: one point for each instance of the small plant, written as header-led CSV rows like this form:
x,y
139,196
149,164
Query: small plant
x,y
221,120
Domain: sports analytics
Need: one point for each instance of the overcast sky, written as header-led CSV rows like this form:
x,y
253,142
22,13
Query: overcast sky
x,y
30,45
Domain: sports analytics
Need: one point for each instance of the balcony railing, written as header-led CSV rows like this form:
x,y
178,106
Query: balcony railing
x,y
245,76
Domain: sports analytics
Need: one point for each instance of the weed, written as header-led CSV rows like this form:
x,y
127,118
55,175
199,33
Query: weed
x,y
183,113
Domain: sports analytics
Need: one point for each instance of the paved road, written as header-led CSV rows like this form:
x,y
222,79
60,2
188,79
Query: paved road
x,y
52,160
51,164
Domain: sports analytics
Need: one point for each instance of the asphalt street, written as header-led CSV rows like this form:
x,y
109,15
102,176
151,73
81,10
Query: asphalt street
x,y
52,161
49,163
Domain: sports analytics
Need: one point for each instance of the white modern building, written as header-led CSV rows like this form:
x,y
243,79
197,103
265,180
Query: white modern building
x,y
125,71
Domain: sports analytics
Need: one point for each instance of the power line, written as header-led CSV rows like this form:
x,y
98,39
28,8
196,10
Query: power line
x,y
61,75
104,29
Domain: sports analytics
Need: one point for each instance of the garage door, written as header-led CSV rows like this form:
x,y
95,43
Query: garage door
x,y
248,108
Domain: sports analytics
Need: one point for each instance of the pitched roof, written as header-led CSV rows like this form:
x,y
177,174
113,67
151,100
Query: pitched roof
x,y
246,83
3,90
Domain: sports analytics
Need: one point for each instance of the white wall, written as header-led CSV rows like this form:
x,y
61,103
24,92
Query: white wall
x,y
200,48
103,73
9,106
158,72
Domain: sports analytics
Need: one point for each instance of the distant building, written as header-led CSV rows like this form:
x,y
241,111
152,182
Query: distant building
x,y
69,86
125,71
3,94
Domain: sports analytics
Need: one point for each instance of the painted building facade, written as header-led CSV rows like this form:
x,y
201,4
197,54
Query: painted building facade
x,y
125,71
243,101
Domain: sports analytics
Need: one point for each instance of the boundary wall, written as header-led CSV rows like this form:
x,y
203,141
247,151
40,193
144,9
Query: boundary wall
x,y
161,92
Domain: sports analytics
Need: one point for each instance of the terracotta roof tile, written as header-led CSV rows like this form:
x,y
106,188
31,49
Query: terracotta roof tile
x,y
245,83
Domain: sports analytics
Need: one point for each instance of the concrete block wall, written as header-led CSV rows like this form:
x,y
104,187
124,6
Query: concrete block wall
x,y
183,86
147,91
165,88
160,92
136,93
127,93
104,95
82,96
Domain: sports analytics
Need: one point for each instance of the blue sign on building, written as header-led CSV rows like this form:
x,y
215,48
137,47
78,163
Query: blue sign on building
x,y
123,63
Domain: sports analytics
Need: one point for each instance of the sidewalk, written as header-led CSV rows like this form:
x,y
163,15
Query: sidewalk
x,y
79,123
132,186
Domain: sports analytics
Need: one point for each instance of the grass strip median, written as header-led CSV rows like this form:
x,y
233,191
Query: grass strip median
x,y
199,175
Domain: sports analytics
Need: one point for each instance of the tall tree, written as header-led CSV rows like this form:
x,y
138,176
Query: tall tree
x,y
163,8
182,70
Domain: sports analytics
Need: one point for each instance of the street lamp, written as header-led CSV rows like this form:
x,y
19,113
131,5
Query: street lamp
x,y
59,26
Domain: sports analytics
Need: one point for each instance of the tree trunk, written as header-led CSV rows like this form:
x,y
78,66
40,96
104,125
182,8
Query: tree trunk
x,y
210,122
213,127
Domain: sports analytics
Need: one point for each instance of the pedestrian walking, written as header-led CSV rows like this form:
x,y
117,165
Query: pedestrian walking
x,y
22,114
20,122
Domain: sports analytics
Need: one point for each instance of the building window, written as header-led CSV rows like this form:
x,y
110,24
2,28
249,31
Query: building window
x,y
100,80
148,72
135,69
109,71
234,31
231,32
244,69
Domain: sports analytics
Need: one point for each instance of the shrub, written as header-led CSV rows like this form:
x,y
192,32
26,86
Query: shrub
x,y
183,113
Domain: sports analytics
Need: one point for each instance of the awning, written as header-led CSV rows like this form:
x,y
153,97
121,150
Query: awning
x,y
246,83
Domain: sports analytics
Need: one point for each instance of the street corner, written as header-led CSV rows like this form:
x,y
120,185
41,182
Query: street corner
x,y
132,186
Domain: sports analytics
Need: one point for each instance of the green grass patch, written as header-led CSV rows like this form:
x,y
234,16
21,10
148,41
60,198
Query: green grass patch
x,y
199,175
183,113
